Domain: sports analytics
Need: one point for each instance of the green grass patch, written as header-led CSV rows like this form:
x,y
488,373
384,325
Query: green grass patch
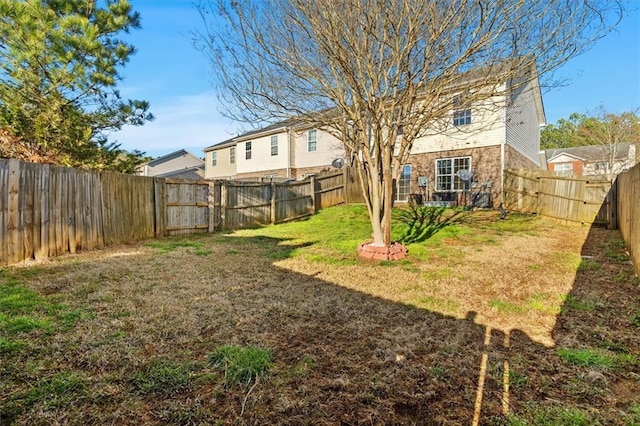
x,y
596,357
636,319
59,390
572,302
435,303
8,346
162,377
536,415
588,265
22,310
538,302
240,365
169,245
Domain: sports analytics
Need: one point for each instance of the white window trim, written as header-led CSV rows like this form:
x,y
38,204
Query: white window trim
x,y
453,173
314,140
248,146
232,155
274,138
214,159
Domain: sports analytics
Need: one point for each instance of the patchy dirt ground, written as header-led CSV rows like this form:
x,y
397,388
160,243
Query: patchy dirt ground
x,y
531,327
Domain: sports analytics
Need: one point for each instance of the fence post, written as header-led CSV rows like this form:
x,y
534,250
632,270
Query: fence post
x,y
273,203
613,205
211,201
14,251
223,205
160,206
312,184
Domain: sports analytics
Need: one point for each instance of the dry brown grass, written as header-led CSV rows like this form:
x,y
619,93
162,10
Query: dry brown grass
x,y
364,343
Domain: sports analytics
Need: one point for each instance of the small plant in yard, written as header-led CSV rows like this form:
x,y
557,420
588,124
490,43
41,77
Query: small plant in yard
x,y
636,319
572,302
240,365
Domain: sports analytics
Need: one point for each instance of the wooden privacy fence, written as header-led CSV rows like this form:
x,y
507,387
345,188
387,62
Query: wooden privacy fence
x,y
582,200
627,186
47,211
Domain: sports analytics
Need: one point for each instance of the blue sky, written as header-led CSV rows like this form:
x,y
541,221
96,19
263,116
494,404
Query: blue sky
x,y
175,78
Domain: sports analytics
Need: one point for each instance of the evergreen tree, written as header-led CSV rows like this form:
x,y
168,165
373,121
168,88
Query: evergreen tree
x,y
59,68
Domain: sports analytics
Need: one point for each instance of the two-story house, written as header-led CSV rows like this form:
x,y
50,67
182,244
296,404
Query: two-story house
x,y
463,162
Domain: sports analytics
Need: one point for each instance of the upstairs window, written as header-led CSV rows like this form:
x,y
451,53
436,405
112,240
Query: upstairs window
x,y
312,140
461,113
247,151
462,117
214,158
232,155
274,145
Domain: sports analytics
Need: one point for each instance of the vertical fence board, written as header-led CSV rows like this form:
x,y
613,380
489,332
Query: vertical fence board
x,y
27,192
13,225
4,211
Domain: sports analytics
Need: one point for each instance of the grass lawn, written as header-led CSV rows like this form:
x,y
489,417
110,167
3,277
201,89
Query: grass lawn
x,y
514,322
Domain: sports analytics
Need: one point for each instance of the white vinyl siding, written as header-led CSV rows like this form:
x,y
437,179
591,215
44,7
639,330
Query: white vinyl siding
x,y
523,125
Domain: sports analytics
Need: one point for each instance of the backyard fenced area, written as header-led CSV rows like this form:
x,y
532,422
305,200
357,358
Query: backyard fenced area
x,y
134,333
47,211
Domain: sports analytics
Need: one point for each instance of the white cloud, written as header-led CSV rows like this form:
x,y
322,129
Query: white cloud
x,y
181,122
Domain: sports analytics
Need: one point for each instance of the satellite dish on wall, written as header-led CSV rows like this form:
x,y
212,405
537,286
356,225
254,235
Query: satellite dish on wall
x,y
337,163
465,175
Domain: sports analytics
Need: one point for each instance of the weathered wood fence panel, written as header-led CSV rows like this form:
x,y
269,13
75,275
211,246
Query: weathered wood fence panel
x,y
47,211
628,208
330,189
581,200
187,206
292,201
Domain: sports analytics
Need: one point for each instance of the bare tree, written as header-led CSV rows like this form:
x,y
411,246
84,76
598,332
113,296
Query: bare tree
x,y
614,135
364,69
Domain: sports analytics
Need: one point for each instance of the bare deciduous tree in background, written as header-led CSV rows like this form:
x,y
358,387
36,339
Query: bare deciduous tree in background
x,y
611,133
360,69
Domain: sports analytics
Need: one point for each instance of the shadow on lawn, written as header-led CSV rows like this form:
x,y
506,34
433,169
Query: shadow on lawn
x,y
346,357
422,222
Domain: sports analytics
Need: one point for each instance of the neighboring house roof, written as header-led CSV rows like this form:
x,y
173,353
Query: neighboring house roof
x,y
169,157
220,145
272,128
588,153
190,173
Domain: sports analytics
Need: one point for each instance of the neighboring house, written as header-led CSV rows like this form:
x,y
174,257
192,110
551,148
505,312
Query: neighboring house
x,y
591,160
179,164
484,141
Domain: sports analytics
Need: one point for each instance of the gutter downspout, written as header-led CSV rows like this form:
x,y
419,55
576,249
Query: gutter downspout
x,y
288,129
502,150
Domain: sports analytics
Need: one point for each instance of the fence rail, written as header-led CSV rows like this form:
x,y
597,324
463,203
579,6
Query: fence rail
x,y
47,211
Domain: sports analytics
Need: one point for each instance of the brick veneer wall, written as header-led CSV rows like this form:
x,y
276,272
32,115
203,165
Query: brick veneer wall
x,y
514,160
485,163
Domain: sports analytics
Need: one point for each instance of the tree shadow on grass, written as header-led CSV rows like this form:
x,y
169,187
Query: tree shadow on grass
x,y
422,222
